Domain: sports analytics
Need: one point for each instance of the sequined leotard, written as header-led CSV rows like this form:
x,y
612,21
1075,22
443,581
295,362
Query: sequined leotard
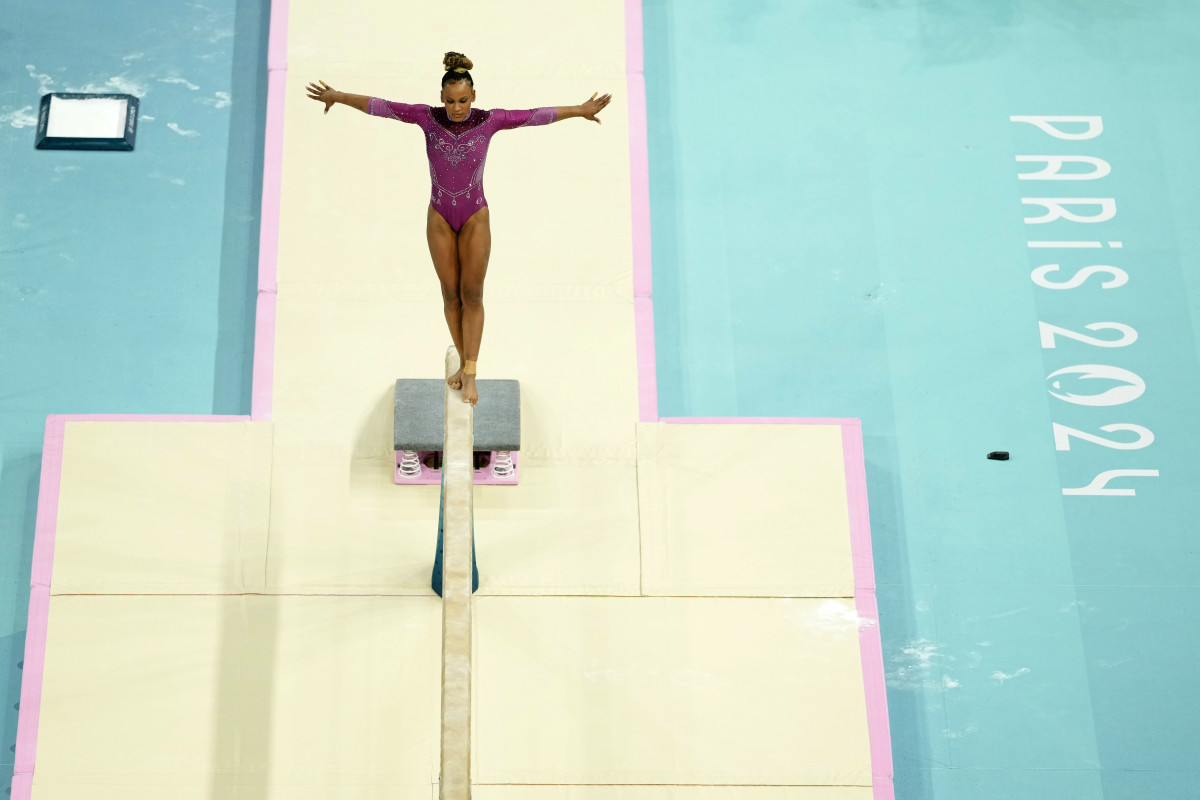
x,y
458,150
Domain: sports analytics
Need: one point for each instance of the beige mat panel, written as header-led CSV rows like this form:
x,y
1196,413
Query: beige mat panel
x,y
183,691
513,38
93,789
342,527
568,529
341,350
669,690
752,510
163,507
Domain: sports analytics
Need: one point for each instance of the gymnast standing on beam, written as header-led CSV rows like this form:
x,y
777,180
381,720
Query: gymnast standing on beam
x,y
457,224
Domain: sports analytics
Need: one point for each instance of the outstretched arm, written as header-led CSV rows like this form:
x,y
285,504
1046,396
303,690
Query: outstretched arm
x,y
588,109
324,93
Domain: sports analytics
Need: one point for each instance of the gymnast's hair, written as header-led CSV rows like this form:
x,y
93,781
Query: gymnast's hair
x,y
456,66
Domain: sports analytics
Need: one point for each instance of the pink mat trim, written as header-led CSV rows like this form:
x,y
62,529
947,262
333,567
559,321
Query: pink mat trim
x,y
31,684
268,251
643,318
869,640
268,236
277,50
47,513
264,358
841,421
856,497
639,174
639,187
633,37
878,728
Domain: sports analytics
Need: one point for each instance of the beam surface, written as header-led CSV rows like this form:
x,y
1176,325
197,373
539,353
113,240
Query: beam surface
x,y
457,466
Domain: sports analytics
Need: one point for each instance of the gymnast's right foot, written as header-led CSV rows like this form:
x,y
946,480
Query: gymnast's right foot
x,y
455,380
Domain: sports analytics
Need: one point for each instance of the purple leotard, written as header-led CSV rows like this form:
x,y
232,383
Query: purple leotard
x,y
458,150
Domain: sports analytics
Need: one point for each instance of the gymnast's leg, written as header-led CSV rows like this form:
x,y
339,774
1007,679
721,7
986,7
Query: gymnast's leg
x,y
474,249
443,246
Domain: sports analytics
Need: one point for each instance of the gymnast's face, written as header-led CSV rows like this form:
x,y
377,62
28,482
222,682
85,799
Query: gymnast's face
x,y
458,98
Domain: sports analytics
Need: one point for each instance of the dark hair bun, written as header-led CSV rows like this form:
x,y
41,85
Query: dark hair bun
x,y
456,62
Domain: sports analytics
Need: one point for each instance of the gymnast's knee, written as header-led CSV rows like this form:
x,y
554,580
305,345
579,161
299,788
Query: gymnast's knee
x,y
450,294
472,295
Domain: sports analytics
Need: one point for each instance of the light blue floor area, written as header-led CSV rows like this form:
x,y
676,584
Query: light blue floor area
x,y
127,280
838,230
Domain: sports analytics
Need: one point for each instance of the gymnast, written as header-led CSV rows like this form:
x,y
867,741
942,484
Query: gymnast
x,y
457,223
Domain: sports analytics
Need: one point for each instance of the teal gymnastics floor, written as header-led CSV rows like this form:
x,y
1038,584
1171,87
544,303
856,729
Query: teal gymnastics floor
x,y
840,229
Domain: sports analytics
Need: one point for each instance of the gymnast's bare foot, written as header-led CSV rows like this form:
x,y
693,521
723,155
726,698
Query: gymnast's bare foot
x,y
455,380
469,393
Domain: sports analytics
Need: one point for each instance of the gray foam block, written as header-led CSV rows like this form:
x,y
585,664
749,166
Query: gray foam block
x,y
420,404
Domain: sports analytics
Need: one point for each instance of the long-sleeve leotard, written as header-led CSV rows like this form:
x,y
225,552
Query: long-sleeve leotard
x,y
458,150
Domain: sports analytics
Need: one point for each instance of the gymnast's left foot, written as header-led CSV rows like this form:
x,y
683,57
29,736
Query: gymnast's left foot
x,y
469,393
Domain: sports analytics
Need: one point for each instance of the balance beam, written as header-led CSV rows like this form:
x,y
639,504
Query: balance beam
x,y
458,515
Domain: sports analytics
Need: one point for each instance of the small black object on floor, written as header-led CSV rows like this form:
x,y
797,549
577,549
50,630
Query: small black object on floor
x,y
998,455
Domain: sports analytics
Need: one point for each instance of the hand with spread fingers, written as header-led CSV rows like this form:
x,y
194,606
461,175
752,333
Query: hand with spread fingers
x,y
593,106
324,93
